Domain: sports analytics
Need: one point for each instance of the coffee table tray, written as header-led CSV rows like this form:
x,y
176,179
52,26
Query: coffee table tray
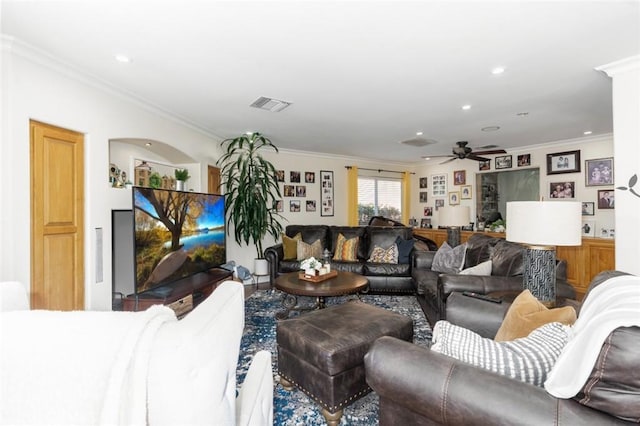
x,y
317,278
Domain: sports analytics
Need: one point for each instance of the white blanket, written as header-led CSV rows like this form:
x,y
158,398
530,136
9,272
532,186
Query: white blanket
x,y
614,303
60,368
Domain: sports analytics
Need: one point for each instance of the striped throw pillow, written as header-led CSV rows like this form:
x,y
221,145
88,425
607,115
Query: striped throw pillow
x,y
346,249
528,359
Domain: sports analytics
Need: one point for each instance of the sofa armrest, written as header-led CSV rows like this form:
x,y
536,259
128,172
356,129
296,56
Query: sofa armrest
x,y
422,259
273,255
448,283
443,390
254,404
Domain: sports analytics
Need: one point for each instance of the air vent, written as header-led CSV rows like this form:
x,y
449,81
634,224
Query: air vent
x,y
269,104
418,142
488,147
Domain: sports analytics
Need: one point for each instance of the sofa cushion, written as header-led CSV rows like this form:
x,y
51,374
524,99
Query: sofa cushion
x,y
526,313
528,359
448,260
482,269
479,249
507,259
306,251
346,249
404,249
310,233
381,255
290,246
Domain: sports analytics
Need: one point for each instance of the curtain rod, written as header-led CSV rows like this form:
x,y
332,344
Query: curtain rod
x,y
378,170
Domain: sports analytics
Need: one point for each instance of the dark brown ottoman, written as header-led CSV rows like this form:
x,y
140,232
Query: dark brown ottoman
x,y
322,352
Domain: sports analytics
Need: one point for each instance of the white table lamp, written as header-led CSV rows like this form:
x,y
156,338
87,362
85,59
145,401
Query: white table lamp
x,y
541,226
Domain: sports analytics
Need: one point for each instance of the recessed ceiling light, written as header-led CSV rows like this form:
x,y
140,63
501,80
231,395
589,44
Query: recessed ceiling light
x,y
466,107
522,114
418,133
123,58
490,128
497,70
147,144
588,132
427,158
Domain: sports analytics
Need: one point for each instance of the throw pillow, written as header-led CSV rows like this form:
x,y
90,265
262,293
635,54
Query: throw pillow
x,y
483,269
306,251
380,255
290,246
346,250
448,260
528,359
404,249
526,313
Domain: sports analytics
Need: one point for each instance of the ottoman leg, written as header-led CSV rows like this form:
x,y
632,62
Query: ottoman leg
x,y
333,419
287,385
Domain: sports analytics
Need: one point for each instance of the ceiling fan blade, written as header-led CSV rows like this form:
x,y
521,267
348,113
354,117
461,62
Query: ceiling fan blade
x,y
449,160
476,157
437,156
493,151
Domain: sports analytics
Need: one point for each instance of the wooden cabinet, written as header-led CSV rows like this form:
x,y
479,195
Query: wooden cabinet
x,y
185,294
583,262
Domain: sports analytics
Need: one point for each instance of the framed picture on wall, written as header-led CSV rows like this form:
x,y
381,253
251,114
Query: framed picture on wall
x,y
423,196
424,182
439,185
294,206
588,228
311,205
524,160
606,199
588,208
309,177
503,162
562,189
439,203
428,211
465,192
563,162
484,165
599,172
280,175
454,198
294,177
459,177
326,193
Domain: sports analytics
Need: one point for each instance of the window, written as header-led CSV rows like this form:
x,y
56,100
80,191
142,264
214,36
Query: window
x,y
379,197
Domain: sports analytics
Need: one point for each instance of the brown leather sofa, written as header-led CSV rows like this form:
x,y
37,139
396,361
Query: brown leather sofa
x,y
433,288
433,389
383,277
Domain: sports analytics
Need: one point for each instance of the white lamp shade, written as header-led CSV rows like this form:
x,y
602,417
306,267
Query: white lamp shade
x,y
545,223
454,216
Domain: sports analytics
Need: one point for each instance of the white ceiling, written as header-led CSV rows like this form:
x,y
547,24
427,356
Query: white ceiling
x,y
361,75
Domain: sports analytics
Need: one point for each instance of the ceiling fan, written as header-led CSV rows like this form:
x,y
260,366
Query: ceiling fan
x,y
462,151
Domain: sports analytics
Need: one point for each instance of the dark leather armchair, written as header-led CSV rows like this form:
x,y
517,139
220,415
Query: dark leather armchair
x,y
433,389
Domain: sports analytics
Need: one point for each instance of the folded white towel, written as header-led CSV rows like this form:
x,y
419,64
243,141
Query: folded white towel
x,y
614,303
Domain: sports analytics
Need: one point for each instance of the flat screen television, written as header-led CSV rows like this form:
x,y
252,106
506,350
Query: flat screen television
x,y
177,234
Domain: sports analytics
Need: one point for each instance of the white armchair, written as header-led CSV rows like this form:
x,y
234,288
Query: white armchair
x,y
130,367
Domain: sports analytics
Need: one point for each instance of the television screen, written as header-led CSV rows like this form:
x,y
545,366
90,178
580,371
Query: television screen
x,y
177,234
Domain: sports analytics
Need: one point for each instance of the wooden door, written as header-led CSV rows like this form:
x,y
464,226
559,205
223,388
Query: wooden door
x,y
57,218
213,177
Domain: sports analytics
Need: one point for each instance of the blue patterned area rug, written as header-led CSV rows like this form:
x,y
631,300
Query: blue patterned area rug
x,y
295,408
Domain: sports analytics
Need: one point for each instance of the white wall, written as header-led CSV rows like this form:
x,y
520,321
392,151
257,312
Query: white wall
x,y
626,110
35,87
590,148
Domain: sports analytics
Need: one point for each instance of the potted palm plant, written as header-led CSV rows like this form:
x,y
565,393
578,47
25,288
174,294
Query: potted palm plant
x,y
251,189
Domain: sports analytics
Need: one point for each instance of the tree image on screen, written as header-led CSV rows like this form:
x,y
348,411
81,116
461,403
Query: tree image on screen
x,y
177,234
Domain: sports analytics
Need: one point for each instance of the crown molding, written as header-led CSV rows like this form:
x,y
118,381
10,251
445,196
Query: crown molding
x,y
42,58
621,66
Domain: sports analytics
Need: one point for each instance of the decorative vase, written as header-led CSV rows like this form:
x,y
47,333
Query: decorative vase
x,y
260,266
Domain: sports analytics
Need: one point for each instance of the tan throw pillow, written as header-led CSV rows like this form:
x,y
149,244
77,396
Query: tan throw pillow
x,y
346,250
526,313
290,246
306,251
380,255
